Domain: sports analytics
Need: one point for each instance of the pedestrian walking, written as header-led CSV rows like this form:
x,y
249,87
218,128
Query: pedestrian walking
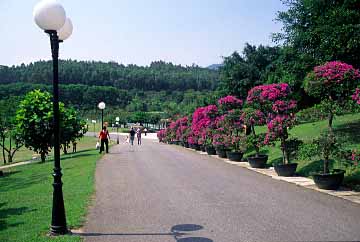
x,y
104,137
138,135
132,136
145,131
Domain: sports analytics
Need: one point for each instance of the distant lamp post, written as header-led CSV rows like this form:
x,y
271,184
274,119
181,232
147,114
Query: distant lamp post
x,y
94,122
117,129
50,16
101,106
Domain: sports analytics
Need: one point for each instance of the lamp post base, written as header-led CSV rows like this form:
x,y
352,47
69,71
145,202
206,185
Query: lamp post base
x,y
58,230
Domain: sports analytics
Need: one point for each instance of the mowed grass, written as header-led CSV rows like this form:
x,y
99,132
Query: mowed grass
x,y
346,129
26,195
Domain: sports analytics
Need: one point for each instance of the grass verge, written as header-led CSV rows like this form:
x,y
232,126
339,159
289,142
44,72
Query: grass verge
x,y
26,195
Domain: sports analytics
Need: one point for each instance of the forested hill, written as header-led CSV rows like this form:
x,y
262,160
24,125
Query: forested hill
x,y
156,77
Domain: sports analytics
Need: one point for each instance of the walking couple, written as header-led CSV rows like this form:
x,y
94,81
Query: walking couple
x,y
132,136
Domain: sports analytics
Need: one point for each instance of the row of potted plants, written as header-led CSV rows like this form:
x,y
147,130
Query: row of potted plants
x,y
228,128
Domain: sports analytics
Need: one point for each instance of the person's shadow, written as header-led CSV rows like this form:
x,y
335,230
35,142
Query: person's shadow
x,y
177,232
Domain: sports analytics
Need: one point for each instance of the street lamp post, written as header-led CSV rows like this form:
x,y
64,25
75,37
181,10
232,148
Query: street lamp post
x,y
94,122
50,16
117,129
101,106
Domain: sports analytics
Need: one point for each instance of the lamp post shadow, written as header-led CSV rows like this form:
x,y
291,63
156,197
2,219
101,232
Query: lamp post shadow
x,y
178,232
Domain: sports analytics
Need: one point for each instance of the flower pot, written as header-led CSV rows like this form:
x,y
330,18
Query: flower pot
x,y
285,169
186,145
258,162
195,146
331,181
202,148
234,155
221,152
210,150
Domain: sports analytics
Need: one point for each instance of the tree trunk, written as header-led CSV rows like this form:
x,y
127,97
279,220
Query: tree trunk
x,y
65,148
284,151
9,153
10,158
43,156
3,149
331,117
326,165
257,149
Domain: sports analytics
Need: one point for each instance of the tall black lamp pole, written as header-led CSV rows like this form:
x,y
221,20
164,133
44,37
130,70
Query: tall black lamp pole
x,y
50,16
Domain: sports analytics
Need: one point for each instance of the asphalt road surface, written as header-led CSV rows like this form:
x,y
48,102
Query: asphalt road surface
x,y
157,192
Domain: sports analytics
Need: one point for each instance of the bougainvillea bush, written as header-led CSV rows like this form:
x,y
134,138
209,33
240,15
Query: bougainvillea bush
x,y
333,83
183,129
229,103
161,134
356,96
203,123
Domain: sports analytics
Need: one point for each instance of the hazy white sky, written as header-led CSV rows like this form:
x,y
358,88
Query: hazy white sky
x,y
141,31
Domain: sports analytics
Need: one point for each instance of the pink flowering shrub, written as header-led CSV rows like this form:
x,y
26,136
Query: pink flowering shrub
x,y
355,157
182,129
161,134
271,99
333,83
356,96
229,103
271,104
203,123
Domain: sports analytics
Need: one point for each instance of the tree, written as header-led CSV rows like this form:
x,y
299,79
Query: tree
x,y
34,121
72,128
325,30
237,76
333,82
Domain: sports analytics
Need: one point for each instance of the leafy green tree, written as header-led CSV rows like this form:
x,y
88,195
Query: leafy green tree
x,y
72,128
34,121
324,30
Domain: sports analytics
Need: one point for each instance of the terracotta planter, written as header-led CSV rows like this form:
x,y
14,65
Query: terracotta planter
x,y
258,162
234,155
331,181
285,169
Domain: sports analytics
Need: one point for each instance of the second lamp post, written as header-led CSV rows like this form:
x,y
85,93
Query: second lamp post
x,y
101,106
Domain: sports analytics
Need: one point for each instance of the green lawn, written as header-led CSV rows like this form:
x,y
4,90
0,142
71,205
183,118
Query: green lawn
x,y
26,195
347,132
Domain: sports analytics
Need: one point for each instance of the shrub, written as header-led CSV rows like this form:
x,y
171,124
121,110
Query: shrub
x,y
333,83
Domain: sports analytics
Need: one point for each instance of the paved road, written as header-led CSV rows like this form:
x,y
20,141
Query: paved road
x,y
158,193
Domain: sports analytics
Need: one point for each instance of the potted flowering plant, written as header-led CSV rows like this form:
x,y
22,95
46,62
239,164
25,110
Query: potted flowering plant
x,y
182,130
232,127
161,134
220,141
282,118
203,123
333,83
235,130
210,149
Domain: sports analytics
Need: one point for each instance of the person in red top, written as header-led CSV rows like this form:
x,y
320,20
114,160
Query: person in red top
x,y
103,136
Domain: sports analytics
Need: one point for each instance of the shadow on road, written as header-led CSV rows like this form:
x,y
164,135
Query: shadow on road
x,y
176,231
